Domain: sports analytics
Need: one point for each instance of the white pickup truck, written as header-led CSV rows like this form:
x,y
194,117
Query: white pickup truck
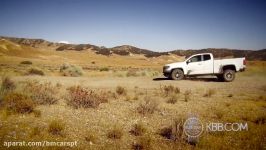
x,y
205,64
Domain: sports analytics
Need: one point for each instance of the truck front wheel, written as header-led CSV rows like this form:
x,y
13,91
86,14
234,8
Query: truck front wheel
x,y
229,75
177,74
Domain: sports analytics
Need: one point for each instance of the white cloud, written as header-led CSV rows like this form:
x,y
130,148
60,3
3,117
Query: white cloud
x,y
64,42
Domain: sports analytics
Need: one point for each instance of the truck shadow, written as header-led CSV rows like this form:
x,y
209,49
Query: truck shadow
x,y
205,79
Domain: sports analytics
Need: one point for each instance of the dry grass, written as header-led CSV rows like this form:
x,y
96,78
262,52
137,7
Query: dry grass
x,y
138,129
172,99
148,106
209,93
168,90
187,95
56,127
142,143
115,133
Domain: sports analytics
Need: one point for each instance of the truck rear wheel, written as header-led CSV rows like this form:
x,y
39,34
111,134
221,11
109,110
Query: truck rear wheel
x,y
177,74
229,75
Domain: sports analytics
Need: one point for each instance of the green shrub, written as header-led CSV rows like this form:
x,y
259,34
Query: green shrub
x,y
56,127
17,102
26,62
71,70
81,97
35,71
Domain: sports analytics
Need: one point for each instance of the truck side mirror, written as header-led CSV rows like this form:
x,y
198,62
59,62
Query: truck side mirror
x,y
188,61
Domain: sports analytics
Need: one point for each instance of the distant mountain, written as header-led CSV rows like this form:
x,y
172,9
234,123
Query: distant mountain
x,y
125,50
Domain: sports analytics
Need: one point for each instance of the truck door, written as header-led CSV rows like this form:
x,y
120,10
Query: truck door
x,y
194,65
207,64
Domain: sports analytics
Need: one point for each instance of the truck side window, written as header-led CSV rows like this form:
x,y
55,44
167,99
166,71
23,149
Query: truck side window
x,y
206,57
196,58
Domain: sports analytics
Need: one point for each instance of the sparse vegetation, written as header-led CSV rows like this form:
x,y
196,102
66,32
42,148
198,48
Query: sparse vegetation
x,y
35,71
172,99
104,69
121,90
7,85
147,106
187,95
209,93
91,137
56,127
37,113
174,131
115,133
18,103
71,70
169,90
26,62
42,93
131,73
81,97
143,143
138,129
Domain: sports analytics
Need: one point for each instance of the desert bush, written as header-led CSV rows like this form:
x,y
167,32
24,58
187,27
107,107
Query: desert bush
x,y
7,85
132,73
209,93
42,93
170,89
26,62
35,71
81,97
71,70
37,113
138,129
172,99
115,133
104,69
143,143
91,137
147,106
174,131
187,95
17,102
121,90
56,127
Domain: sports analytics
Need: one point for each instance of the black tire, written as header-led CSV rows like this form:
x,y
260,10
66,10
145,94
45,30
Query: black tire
x,y
229,75
177,74
220,77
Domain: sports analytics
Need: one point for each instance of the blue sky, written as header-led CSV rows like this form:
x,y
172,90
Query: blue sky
x,y
158,25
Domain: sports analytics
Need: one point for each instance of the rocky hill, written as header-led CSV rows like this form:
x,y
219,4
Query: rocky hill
x,y
125,50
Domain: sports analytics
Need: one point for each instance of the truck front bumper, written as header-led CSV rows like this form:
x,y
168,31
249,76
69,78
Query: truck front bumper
x,y
242,69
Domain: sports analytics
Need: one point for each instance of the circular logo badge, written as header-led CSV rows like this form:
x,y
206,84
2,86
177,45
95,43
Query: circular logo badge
x,y
193,127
